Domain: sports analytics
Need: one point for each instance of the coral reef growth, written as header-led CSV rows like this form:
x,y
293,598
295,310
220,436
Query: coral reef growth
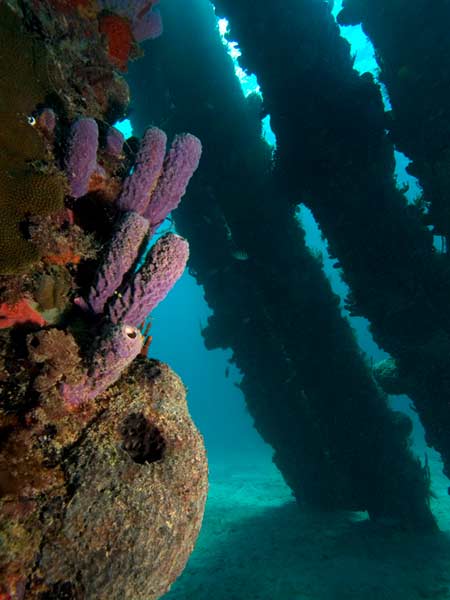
x,y
124,290
27,185
60,241
58,354
123,520
121,342
21,195
85,427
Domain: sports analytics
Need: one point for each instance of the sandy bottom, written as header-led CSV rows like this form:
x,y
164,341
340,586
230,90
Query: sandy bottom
x,y
256,544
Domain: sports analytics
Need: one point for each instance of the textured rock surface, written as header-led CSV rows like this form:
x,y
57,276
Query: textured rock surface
x,y
125,522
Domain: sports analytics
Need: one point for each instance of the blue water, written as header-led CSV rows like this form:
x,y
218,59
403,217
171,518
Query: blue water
x,y
255,544
216,403
215,400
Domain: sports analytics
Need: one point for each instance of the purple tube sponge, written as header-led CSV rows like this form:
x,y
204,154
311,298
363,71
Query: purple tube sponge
x,y
179,165
145,20
81,160
114,142
148,27
123,251
162,267
149,161
117,347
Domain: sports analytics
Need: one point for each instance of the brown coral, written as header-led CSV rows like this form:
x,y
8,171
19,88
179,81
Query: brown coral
x,y
52,291
59,241
58,352
127,520
87,9
14,381
21,195
23,190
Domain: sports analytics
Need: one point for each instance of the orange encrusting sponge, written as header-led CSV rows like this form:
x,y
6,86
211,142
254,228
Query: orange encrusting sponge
x,y
21,312
119,36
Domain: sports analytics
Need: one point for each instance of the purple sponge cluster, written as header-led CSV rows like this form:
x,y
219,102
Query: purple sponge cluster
x,y
149,194
179,164
158,182
125,291
162,268
82,147
138,186
81,159
116,348
130,232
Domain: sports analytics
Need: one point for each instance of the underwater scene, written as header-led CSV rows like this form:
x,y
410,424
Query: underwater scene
x,y
224,300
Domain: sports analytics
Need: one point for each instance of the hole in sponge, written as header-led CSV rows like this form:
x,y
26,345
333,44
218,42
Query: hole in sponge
x,y
141,439
131,332
34,343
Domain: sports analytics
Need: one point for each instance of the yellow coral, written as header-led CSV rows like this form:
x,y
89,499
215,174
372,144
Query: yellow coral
x,y
26,193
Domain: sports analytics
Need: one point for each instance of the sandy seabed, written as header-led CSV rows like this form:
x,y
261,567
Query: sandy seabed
x,y
257,544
